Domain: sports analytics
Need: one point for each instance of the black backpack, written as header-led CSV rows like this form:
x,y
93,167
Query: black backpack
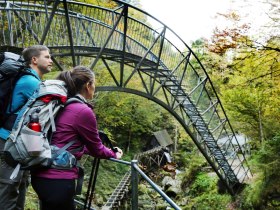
x,y
12,67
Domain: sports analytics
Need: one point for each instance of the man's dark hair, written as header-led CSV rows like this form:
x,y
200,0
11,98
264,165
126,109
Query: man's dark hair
x,y
33,51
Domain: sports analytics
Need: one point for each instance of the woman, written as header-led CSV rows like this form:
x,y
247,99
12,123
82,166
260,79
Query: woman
x,y
56,188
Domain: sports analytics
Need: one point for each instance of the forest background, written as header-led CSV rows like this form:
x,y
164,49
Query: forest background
x,y
245,70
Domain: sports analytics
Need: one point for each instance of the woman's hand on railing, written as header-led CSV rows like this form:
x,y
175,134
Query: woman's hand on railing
x,y
119,153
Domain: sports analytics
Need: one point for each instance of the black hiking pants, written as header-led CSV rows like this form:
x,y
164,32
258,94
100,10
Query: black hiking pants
x,y
54,194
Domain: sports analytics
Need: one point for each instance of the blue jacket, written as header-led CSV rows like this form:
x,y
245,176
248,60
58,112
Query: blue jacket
x,y
24,88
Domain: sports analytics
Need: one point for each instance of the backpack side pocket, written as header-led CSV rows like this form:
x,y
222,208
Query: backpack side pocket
x,y
62,159
33,141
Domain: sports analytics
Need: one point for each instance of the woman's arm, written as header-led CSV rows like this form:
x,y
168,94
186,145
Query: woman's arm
x,y
87,130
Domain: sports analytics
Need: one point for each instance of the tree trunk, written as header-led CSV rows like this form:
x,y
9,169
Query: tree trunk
x,y
128,141
260,124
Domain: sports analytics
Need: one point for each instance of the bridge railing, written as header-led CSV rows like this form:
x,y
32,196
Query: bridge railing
x,y
133,176
90,27
135,172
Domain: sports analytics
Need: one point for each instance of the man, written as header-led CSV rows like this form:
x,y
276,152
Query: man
x,y
38,62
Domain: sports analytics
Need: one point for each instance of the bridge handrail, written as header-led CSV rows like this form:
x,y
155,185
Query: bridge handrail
x,y
134,184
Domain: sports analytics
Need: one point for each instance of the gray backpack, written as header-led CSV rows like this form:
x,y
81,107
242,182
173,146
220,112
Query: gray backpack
x,y
26,148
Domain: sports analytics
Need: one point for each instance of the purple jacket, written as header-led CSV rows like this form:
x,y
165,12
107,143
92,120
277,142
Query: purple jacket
x,y
77,121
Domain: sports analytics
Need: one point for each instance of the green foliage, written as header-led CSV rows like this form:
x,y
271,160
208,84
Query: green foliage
x,y
254,105
246,78
209,201
268,157
32,201
195,163
129,118
203,193
181,157
51,75
106,3
264,191
203,182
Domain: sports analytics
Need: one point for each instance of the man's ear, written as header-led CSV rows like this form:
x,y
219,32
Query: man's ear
x,y
34,60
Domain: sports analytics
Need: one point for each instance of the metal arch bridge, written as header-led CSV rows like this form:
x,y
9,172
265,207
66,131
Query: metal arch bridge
x,y
132,50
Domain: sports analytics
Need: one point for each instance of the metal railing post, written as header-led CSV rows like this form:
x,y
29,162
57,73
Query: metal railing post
x,y
134,185
9,18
